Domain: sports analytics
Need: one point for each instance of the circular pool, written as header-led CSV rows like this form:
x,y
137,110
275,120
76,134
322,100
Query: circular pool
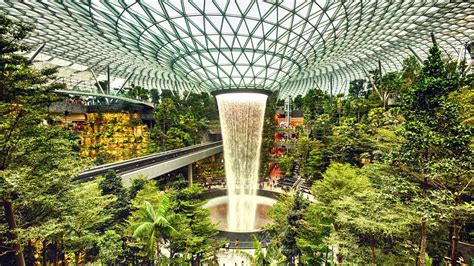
x,y
218,209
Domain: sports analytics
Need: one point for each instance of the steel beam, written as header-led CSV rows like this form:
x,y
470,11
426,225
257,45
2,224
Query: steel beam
x,y
36,53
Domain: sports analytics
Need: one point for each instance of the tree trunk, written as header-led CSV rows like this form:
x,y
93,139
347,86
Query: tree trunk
x,y
76,257
373,252
61,254
158,252
55,252
13,235
423,242
44,253
455,242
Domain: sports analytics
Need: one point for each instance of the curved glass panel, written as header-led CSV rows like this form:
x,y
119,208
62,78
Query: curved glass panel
x,y
205,45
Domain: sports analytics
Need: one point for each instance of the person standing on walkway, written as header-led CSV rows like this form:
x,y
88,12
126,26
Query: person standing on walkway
x,y
237,244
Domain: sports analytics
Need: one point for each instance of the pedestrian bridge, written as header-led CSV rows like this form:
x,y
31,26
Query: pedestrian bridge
x,y
155,165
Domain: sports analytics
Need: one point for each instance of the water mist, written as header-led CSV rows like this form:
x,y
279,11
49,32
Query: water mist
x,y
241,116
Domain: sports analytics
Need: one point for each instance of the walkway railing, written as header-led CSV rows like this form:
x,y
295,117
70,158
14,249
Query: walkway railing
x,y
145,161
87,88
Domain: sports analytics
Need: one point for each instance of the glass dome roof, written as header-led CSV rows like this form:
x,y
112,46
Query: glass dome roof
x,y
290,46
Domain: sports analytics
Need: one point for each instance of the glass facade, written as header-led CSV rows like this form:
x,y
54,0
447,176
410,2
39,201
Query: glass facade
x,y
290,46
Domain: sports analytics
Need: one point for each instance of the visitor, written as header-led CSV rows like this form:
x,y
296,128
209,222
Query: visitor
x,y
237,244
227,246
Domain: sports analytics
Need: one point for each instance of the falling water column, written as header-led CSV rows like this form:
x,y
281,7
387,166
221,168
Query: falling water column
x,y
241,114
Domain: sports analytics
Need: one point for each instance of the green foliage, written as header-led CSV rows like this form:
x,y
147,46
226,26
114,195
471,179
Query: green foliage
x,y
313,104
416,164
137,185
410,70
137,92
349,141
152,224
286,163
191,238
110,247
369,215
339,180
149,193
436,150
85,215
312,234
266,257
391,82
154,96
37,162
433,133
121,208
357,89
298,102
292,214
176,138
268,135
195,231
321,126
316,164
465,99
181,122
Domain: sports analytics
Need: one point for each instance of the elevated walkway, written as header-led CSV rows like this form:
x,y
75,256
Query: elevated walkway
x,y
84,88
154,165
73,91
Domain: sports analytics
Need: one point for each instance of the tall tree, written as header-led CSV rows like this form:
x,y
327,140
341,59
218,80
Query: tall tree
x,y
313,104
435,150
37,162
294,223
410,70
349,141
152,225
357,89
312,234
85,214
268,135
155,96
298,102
120,209
196,233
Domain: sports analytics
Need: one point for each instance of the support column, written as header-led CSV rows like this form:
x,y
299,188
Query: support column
x,y
190,174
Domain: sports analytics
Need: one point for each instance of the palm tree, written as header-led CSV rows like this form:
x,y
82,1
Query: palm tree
x,y
154,226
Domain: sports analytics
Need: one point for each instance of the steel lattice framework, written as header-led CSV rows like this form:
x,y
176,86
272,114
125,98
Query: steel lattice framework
x,y
290,46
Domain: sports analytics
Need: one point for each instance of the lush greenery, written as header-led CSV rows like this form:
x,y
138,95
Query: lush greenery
x,y
113,137
47,217
390,165
181,120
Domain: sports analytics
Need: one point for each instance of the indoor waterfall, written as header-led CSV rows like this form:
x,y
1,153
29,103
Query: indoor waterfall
x,y
241,116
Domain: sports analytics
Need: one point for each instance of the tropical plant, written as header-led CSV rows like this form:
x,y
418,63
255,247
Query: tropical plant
x,y
196,231
152,225
436,150
37,162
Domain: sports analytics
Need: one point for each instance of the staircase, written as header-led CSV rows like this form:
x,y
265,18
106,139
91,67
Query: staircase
x,y
289,182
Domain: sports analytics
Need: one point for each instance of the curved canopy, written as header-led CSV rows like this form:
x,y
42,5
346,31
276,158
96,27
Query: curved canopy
x,y
206,45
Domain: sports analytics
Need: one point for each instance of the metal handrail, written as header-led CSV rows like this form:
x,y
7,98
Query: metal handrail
x,y
144,161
